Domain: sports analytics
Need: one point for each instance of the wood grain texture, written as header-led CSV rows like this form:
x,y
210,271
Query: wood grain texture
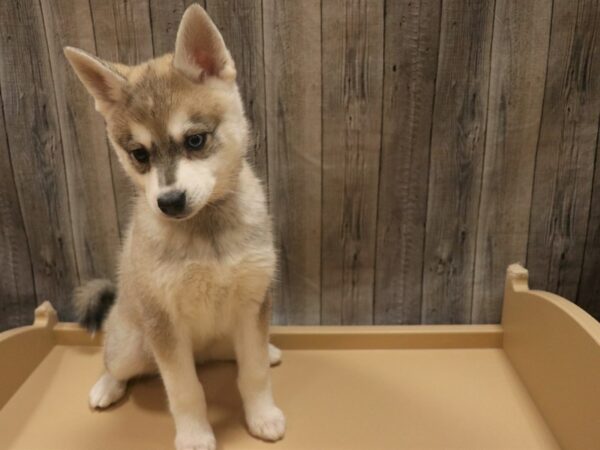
x,y
292,37
588,294
165,17
411,149
92,204
457,148
123,34
519,55
17,290
240,23
352,95
36,152
411,50
566,149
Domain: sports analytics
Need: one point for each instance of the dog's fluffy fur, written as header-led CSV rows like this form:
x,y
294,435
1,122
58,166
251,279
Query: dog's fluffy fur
x,y
194,284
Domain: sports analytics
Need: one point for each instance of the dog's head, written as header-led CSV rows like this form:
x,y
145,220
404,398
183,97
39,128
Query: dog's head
x,y
176,122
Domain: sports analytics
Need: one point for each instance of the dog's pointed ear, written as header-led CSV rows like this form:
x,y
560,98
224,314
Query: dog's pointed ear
x,y
200,51
103,82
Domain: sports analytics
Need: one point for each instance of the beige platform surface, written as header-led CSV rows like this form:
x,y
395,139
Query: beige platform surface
x,y
530,383
334,399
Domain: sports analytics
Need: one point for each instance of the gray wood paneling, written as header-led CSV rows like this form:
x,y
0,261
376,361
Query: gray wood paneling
x,y
457,148
566,149
292,37
410,149
17,290
411,50
519,54
36,152
589,288
92,202
352,70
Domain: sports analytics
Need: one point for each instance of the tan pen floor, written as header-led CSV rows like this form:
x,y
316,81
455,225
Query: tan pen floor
x,y
333,399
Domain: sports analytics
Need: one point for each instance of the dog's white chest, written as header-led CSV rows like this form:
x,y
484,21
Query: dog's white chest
x,y
205,295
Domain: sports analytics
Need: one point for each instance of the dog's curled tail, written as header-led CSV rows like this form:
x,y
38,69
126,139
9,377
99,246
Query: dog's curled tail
x,y
92,302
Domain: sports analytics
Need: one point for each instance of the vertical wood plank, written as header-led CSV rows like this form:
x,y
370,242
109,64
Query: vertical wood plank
x,y
588,295
292,37
566,149
92,203
519,56
123,34
457,147
17,290
352,94
36,151
165,17
240,23
411,50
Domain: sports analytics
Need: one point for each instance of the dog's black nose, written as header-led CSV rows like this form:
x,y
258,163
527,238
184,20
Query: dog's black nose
x,y
172,203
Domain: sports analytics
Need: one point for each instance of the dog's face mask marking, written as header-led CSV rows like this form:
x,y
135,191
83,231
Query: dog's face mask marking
x,y
176,122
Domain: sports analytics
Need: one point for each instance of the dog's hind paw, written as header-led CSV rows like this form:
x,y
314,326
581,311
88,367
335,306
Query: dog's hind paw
x,y
274,355
106,391
268,424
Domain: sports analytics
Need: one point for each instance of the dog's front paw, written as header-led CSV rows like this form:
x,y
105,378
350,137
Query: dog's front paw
x,y
106,391
195,440
267,423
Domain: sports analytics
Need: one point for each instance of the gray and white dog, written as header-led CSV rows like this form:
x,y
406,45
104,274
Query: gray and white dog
x,y
198,256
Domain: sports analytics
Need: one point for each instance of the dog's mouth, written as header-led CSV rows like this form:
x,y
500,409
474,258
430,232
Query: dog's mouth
x,y
187,213
179,217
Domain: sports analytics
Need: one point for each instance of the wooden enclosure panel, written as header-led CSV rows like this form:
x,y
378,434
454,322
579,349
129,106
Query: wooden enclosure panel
x,y
566,149
519,54
123,34
17,290
352,95
87,163
457,148
292,37
411,50
165,16
36,153
554,347
240,23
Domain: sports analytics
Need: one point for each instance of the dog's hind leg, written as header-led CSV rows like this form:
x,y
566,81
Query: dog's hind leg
x,y
125,357
274,355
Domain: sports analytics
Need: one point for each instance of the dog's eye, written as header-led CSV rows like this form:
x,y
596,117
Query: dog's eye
x,y
141,155
195,141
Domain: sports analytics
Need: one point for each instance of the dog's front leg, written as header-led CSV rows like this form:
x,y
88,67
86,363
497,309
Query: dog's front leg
x,y
251,339
175,361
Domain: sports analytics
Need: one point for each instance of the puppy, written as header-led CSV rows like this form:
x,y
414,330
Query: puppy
x,y
198,256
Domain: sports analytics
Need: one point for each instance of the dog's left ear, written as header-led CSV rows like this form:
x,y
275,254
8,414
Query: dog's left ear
x,y
200,51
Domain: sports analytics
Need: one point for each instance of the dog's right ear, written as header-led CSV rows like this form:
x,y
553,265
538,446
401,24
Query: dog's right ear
x,y
104,83
200,51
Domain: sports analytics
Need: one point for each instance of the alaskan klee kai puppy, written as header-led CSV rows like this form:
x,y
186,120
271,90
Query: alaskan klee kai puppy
x,y
198,256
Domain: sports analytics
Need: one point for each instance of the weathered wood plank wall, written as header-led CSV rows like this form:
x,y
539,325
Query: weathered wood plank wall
x,y
516,93
411,149
456,161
